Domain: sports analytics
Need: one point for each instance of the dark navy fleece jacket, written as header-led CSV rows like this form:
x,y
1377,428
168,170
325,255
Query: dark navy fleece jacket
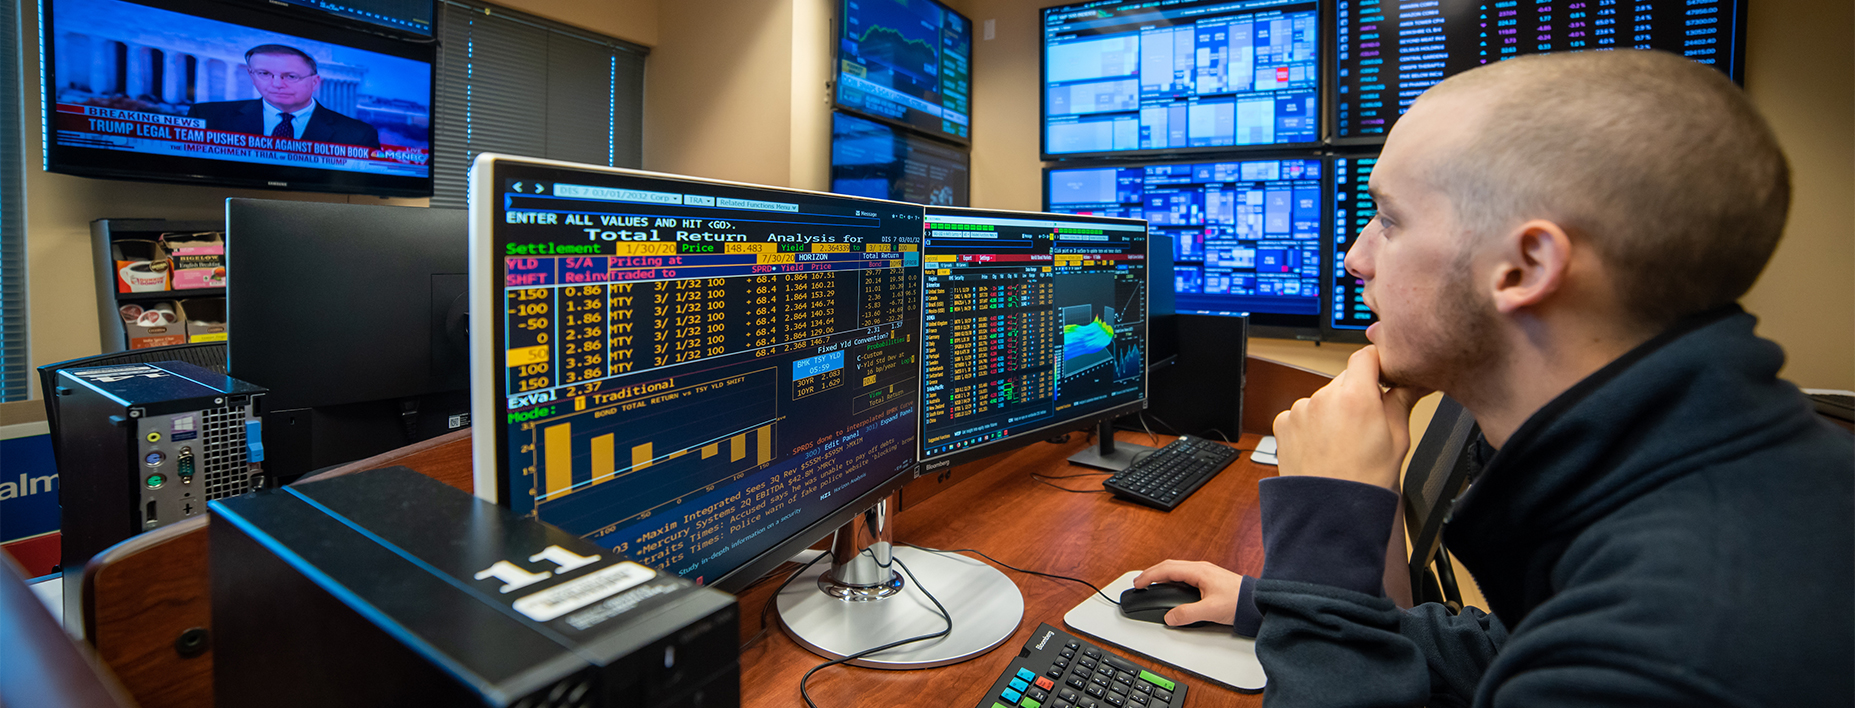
x,y
1676,530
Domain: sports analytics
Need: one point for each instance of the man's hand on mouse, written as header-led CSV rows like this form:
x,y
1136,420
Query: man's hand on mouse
x,y
1218,587
1375,424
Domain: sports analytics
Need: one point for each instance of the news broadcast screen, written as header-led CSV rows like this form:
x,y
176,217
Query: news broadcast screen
x,y
203,92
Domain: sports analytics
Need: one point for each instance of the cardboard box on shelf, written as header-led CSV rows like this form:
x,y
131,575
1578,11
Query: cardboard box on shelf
x,y
205,319
141,266
153,324
195,260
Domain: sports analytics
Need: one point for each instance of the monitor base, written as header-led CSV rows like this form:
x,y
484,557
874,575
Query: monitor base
x,y
986,608
1111,455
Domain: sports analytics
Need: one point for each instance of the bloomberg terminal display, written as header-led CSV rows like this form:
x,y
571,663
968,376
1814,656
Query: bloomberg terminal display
x,y
197,91
907,61
1034,321
1387,52
1246,233
696,374
1123,77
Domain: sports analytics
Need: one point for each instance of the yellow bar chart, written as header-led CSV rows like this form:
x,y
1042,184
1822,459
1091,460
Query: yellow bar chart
x,y
557,459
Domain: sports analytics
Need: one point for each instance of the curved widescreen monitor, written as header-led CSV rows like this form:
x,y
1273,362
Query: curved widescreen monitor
x,y
1387,52
1144,77
197,91
705,376
1246,234
1035,324
908,62
871,159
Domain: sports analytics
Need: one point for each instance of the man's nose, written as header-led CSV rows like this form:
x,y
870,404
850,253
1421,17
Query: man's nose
x,y
1359,257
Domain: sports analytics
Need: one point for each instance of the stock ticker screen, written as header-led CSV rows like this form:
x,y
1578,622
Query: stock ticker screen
x,y
908,61
1180,74
1032,320
1353,208
695,371
1245,234
1387,52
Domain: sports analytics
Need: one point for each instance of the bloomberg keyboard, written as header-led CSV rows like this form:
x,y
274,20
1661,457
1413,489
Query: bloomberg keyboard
x,y
1057,670
1166,477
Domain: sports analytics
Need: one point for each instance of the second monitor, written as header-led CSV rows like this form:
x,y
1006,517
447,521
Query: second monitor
x,y
1035,324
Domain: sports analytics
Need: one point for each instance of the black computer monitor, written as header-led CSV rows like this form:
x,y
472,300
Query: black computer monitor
x,y
1128,77
870,159
1246,234
353,316
1036,324
1387,52
705,376
1353,208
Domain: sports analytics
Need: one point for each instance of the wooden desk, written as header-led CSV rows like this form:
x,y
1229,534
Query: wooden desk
x,y
1003,512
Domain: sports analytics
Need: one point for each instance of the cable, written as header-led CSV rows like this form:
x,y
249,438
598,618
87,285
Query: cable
x,y
1040,480
774,599
1008,566
944,616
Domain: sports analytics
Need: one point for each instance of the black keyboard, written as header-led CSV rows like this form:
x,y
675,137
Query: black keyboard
x,y
1057,670
1165,477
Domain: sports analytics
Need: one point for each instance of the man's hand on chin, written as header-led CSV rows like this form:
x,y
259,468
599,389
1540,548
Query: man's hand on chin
x,y
1350,429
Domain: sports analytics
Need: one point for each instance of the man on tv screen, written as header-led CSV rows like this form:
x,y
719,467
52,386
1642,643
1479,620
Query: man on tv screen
x,y
286,78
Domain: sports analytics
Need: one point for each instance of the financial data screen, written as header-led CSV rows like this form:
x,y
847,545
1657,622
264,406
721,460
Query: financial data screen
x,y
909,61
1245,234
1032,320
1180,74
1387,52
1353,208
870,159
693,371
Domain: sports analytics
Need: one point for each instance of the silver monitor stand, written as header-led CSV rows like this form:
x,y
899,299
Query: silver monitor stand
x,y
864,600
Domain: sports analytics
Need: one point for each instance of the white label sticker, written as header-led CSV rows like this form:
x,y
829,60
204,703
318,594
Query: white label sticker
x,y
567,597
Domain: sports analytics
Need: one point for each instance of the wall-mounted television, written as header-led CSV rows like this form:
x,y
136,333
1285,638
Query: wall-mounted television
x,y
1387,52
870,159
1149,77
1246,233
908,62
205,92
412,17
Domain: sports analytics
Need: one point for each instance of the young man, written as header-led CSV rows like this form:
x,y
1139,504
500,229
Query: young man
x,y
287,79
1559,244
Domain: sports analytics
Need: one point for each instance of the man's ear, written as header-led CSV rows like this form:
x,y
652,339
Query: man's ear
x,y
1533,259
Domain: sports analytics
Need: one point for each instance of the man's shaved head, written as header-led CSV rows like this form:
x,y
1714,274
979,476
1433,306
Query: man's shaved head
x,y
1659,163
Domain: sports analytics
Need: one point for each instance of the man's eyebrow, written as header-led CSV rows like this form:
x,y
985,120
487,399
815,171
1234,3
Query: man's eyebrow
x,y
1378,195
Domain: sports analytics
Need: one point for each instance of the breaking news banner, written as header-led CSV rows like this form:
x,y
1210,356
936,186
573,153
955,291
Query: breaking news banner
x,y
139,79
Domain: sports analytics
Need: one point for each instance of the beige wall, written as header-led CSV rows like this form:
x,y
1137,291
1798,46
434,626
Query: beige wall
x,y
1798,61
758,111
1798,72
629,20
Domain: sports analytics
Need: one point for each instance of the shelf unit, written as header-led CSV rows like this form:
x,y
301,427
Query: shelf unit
x,y
103,233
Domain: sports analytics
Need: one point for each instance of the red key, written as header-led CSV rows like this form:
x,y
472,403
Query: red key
x,y
1045,683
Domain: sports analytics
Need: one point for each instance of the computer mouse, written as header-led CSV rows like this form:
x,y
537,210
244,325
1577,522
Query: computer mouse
x,y
1151,604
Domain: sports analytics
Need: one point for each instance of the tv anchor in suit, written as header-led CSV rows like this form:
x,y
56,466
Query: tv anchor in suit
x,y
286,78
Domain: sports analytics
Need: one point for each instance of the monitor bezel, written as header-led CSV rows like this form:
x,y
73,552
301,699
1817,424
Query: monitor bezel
x,y
837,69
107,164
1323,24
489,475
1268,325
1031,435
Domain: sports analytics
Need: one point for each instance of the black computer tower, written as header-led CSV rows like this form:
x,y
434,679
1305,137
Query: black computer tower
x,y
388,588
1201,393
141,446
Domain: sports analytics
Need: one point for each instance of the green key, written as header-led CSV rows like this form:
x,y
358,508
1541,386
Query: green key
x,y
996,704
1028,703
1155,679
